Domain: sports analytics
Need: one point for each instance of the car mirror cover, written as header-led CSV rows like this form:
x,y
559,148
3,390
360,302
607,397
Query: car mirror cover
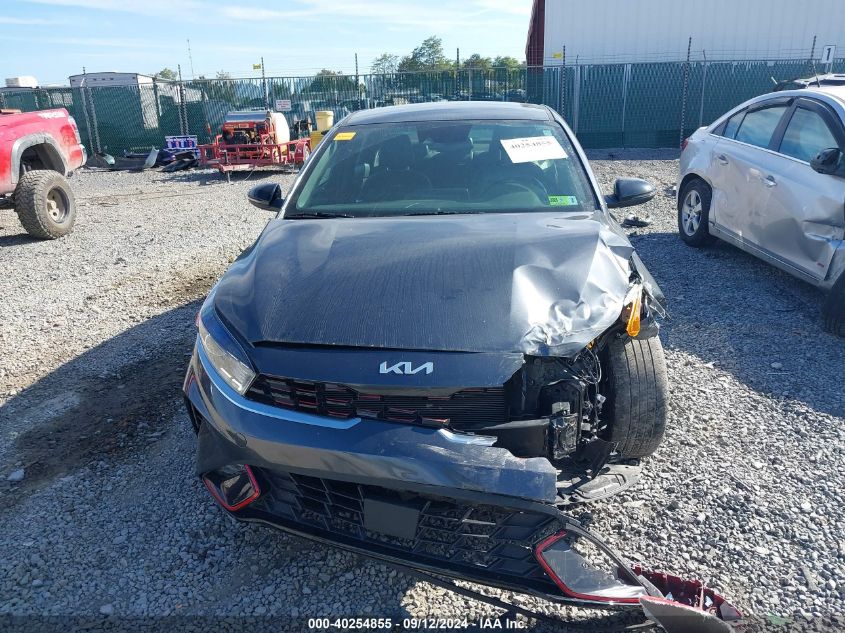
x,y
267,196
828,161
628,192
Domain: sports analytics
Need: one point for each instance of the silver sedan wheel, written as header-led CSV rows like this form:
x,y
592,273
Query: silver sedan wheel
x,y
691,212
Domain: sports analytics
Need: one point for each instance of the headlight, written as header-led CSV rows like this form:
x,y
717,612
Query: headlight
x,y
633,307
222,350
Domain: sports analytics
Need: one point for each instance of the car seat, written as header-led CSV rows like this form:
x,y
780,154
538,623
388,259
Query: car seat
x,y
394,177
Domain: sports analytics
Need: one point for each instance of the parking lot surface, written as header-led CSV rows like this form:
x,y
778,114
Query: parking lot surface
x,y
110,521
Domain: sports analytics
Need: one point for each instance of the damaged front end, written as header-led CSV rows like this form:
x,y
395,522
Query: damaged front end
x,y
472,501
555,404
456,445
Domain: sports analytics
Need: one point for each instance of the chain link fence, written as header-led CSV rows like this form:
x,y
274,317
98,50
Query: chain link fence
x,y
658,104
607,105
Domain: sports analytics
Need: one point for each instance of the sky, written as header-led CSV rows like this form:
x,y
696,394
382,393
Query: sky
x,y
296,37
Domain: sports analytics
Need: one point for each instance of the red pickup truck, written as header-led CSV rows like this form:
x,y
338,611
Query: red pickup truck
x,y
38,150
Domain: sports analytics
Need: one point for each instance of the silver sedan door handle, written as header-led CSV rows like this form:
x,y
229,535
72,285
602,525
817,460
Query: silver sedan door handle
x,y
722,159
769,181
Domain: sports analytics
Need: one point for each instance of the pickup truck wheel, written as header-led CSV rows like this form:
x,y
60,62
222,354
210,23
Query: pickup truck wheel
x,y
694,213
833,311
636,386
45,204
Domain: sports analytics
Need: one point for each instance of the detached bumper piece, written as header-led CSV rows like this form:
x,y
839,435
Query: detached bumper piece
x,y
440,507
530,549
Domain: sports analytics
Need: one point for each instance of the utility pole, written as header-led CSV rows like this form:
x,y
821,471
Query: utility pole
x,y
458,72
812,62
684,94
190,58
264,84
562,79
183,108
357,83
88,124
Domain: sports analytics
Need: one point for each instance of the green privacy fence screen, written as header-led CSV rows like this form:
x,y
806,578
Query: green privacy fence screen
x,y
608,105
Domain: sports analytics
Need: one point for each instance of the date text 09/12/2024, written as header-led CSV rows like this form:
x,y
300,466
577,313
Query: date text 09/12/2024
x,y
410,624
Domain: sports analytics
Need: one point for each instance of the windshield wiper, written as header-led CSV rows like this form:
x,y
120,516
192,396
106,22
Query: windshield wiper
x,y
316,215
446,213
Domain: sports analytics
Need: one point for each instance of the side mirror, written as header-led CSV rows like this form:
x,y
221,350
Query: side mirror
x,y
628,192
827,161
268,197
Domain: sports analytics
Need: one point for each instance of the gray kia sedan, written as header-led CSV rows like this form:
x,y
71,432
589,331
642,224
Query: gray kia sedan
x,y
769,178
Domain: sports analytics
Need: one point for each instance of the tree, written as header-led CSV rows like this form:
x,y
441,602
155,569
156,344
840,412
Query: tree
x,y
330,81
222,90
507,62
506,69
166,74
477,62
425,57
385,64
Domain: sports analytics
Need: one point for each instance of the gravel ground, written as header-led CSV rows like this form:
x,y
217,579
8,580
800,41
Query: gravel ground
x,y
109,522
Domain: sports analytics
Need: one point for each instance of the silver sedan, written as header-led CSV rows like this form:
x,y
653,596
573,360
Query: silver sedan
x,y
769,178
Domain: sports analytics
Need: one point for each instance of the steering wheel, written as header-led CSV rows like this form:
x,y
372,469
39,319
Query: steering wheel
x,y
528,185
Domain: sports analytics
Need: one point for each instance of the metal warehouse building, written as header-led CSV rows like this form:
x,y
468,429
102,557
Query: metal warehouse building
x,y
631,31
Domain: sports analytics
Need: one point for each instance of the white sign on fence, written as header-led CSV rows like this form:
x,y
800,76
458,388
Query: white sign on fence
x,y
827,54
283,105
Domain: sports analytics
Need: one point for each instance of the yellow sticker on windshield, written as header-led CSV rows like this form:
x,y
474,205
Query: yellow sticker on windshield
x,y
563,201
344,136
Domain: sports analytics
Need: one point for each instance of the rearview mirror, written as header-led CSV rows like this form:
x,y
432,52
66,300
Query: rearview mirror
x,y
628,192
828,161
268,197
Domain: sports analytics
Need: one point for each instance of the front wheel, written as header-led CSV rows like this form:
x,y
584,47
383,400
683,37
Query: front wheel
x,y
694,213
636,386
45,204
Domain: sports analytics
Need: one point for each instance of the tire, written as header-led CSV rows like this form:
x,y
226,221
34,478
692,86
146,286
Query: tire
x,y
635,384
694,213
45,204
833,310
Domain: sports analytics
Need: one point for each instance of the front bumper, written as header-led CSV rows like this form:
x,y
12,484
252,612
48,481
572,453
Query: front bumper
x,y
417,497
478,513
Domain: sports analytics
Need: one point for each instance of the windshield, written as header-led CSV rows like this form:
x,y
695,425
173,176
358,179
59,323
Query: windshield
x,y
434,167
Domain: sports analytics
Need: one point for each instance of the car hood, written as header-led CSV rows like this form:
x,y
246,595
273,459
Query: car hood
x,y
534,283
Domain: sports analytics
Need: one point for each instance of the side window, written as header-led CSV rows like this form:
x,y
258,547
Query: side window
x,y
732,124
806,135
758,125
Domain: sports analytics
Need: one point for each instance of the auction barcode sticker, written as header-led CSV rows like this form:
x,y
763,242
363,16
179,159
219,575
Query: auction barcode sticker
x,y
531,148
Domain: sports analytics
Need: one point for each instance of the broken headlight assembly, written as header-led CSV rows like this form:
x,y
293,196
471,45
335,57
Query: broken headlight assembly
x,y
553,406
555,403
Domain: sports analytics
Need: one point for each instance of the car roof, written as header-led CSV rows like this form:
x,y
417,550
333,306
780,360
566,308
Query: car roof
x,y
451,111
833,96
833,90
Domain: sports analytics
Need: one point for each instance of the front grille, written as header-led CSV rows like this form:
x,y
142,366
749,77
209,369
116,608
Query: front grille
x,y
483,541
466,409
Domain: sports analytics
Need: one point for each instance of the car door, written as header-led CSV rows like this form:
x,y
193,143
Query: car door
x,y
802,219
735,174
